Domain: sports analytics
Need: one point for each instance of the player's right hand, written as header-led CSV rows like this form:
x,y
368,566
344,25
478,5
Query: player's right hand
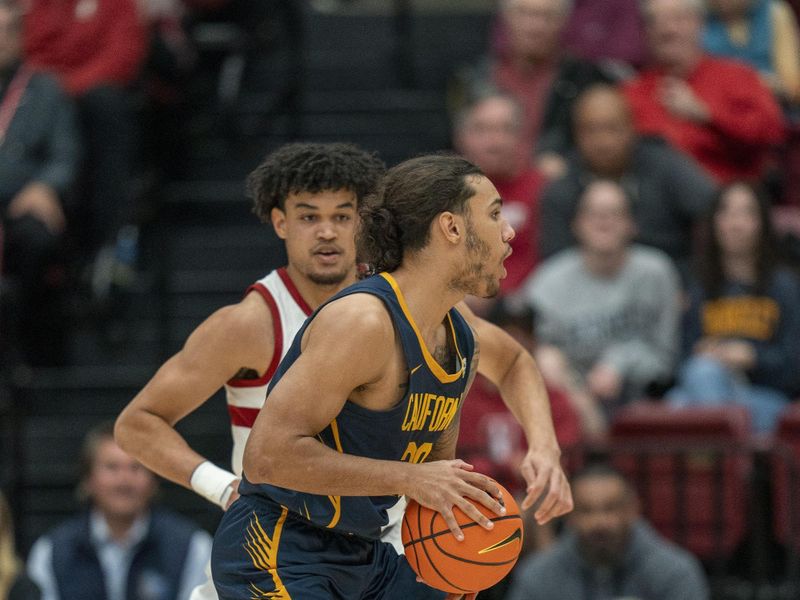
x,y
440,485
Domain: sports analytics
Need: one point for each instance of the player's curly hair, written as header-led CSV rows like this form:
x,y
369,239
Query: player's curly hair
x,y
311,167
397,217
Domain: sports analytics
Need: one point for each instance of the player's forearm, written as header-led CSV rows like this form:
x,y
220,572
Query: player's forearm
x,y
306,465
523,391
157,445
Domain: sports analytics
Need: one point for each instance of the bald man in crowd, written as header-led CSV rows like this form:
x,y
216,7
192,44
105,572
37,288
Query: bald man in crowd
x,y
715,109
668,192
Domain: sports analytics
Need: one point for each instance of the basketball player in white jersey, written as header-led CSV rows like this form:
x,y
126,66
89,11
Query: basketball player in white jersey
x,y
309,193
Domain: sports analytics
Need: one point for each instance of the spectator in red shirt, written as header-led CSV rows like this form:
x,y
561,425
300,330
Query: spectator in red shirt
x,y
96,48
89,43
716,110
488,133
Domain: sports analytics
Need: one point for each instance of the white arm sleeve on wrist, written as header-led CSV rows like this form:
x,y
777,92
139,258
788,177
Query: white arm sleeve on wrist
x,y
212,483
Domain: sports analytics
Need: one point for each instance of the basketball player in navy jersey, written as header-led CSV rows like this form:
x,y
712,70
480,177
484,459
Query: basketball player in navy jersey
x,y
365,406
309,194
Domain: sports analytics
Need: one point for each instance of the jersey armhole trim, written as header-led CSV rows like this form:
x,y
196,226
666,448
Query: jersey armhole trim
x,y
277,347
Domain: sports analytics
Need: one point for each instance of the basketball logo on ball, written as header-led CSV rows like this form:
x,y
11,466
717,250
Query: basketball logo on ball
x,y
482,559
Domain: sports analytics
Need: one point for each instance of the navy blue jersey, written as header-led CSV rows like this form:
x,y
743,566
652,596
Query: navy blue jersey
x,y
406,432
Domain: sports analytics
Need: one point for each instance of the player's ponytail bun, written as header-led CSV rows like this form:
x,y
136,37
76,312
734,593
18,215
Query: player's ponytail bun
x,y
397,218
380,243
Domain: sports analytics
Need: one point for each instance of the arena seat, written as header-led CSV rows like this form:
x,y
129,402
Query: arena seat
x,y
786,478
691,467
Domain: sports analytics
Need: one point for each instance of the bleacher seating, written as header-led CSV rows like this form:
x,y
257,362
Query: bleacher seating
x,y
786,479
691,468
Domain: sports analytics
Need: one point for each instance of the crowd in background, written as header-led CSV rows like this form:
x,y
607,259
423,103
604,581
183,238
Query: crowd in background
x,y
640,148
643,176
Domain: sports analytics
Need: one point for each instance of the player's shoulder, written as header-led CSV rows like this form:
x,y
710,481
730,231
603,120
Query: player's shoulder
x,y
249,318
362,311
359,318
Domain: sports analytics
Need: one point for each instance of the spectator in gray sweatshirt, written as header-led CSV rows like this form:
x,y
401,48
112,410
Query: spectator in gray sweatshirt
x,y
609,552
607,311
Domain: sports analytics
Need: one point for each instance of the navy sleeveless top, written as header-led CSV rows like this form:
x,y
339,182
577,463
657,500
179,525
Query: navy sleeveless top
x,y
405,432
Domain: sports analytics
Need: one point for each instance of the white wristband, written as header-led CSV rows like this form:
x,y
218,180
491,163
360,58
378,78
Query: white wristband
x,y
212,483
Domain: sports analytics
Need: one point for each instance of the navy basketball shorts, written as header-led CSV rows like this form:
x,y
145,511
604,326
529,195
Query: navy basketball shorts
x,y
263,550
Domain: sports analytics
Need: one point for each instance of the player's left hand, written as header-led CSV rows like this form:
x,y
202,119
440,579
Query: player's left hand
x,y
547,484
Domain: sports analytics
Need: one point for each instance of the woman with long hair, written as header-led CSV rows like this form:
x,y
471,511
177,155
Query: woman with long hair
x,y
14,584
742,327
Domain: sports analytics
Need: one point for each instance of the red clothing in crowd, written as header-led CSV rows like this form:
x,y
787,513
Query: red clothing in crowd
x,y
745,118
521,208
531,88
86,42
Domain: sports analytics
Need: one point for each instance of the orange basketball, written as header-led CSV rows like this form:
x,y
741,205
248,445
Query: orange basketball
x,y
482,559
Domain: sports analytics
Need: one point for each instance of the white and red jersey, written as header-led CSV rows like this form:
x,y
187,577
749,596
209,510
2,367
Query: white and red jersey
x,y
246,396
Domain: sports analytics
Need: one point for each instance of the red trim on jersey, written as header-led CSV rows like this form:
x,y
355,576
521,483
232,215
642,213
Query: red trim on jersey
x,y
242,417
287,281
277,346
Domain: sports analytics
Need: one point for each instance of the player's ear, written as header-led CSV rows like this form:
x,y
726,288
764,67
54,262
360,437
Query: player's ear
x,y
451,226
278,218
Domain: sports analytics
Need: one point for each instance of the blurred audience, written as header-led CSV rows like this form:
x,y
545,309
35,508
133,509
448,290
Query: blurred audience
x,y
488,133
742,328
39,161
669,193
716,110
97,48
529,64
172,59
121,546
607,32
606,311
14,583
761,33
609,551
